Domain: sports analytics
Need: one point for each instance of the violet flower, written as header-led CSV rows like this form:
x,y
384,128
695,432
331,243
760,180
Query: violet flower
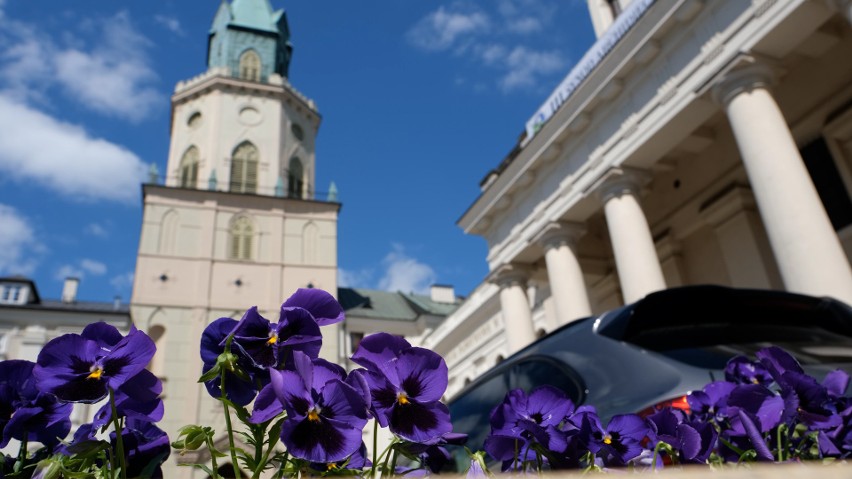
x,y
325,416
711,402
213,338
619,442
270,345
742,370
536,416
77,369
26,413
406,392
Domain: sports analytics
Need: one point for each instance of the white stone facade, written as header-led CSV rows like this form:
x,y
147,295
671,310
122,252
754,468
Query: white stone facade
x,y
711,144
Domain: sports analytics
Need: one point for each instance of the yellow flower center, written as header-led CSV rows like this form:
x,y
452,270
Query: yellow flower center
x,y
273,338
402,398
607,439
331,466
95,372
313,415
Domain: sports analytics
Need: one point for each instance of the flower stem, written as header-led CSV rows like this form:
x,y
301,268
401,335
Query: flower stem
x,y
230,428
375,447
212,449
119,441
22,455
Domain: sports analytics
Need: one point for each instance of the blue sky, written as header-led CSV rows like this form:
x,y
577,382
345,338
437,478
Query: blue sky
x,y
420,99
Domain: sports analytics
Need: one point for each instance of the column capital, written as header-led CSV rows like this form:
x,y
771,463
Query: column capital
x,y
559,233
619,181
510,274
742,74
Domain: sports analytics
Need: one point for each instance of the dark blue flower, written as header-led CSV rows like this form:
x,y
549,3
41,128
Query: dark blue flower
x,y
406,392
26,413
620,442
325,416
272,344
239,391
77,369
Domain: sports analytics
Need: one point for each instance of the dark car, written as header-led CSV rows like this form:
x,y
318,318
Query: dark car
x,y
657,350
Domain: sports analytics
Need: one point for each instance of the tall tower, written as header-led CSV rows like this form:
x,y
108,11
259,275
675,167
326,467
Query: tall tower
x,y
237,223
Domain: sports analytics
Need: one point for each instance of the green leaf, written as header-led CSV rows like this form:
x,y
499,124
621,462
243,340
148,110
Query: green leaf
x,y
202,467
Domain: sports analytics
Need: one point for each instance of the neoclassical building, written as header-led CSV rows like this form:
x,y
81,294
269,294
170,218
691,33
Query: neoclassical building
x,y
696,142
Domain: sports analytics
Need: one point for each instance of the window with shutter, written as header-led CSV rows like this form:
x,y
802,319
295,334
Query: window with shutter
x,y
250,66
244,169
241,238
189,168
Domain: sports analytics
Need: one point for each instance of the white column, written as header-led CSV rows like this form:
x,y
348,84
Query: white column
x,y
517,315
639,270
806,247
567,284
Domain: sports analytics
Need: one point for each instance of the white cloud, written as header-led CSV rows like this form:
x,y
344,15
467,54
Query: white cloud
x,y
525,66
500,40
93,267
97,230
404,273
18,244
353,279
171,24
64,157
443,28
114,77
68,271
80,269
122,281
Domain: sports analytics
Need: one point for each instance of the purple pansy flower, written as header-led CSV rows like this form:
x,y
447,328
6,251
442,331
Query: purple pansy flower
x,y
379,348
536,417
741,370
26,413
269,344
619,442
77,369
711,402
146,446
356,462
325,416
693,440
212,345
138,398
406,392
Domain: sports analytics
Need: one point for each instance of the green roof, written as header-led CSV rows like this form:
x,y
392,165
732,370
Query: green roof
x,y
255,14
376,304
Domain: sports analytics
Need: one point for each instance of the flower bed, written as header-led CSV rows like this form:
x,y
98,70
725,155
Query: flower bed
x,y
300,414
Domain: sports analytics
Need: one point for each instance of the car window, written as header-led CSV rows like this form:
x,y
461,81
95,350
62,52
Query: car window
x,y
471,411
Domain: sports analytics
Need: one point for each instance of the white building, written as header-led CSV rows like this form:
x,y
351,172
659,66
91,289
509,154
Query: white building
x,y
237,222
696,142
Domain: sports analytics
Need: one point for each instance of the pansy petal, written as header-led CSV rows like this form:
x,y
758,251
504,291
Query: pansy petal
x,y
291,391
379,348
106,335
63,366
342,402
325,371
324,440
322,305
212,339
266,406
551,403
836,382
418,422
423,374
128,358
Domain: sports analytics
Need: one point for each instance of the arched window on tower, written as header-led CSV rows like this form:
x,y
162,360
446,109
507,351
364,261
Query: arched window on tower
x,y
295,179
189,168
244,169
241,238
250,66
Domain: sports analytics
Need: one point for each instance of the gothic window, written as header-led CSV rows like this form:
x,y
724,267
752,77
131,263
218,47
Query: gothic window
x,y
310,238
189,168
244,169
250,66
295,179
298,133
168,233
241,236
194,120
